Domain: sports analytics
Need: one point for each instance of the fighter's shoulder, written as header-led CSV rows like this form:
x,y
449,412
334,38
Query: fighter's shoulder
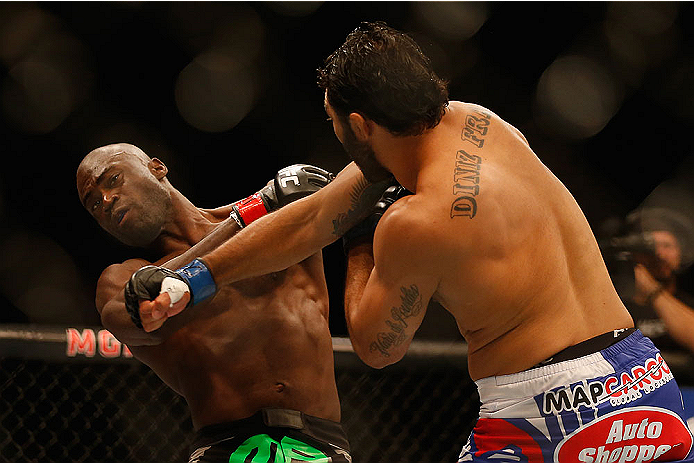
x,y
409,222
480,111
470,108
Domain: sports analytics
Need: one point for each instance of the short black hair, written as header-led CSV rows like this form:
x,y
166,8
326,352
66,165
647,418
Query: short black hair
x,y
382,73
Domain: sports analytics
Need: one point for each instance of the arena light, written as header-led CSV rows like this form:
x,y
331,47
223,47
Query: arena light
x,y
645,18
454,21
36,97
19,28
49,72
234,27
214,92
576,97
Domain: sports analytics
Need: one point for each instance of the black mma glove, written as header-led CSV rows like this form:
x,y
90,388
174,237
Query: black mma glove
x,y
146,283
291,183
364,230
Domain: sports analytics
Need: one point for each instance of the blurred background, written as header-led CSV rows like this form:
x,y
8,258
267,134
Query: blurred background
x,y
225,95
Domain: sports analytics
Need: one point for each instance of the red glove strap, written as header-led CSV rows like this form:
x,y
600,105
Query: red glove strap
x,y
251,208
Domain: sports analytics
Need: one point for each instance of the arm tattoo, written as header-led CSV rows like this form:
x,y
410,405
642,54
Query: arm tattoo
x,y
411,306
363,197
466,184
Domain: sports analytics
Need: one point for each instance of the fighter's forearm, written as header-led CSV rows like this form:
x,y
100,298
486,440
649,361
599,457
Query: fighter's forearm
x,y
270,244
297,231
223,232
360,263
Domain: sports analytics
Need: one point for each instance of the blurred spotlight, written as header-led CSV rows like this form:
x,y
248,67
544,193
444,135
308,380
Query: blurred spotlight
x,y
35,97
576,97
641,35
628,51
49,69
233,27
41,279
21,24
294,9
453,21
215,92
645,18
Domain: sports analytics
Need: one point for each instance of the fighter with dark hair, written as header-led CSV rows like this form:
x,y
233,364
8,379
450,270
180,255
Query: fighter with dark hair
x,y
255,363
493,236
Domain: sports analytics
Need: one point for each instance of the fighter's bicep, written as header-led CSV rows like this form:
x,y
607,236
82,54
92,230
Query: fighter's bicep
x,y
400,287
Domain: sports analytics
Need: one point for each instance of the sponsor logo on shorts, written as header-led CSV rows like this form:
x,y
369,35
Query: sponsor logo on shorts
x,y
618,389
640,434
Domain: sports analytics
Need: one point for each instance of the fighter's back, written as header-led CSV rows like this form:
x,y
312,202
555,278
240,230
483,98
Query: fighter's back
x,y
517,256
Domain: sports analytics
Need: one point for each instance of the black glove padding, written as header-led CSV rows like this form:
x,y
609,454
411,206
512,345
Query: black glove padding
x,y
292,183
364,230
145,284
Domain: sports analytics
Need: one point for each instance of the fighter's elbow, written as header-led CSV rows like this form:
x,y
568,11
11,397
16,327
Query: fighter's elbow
x,y
376,356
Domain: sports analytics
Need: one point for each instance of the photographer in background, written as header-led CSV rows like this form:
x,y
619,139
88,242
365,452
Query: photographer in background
x,y
661,309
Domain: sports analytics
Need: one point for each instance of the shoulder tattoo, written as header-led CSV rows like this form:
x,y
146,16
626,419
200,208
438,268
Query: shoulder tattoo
x,y
466,184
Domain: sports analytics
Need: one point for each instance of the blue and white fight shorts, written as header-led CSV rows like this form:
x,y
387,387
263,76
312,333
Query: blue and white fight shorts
x,y
620,404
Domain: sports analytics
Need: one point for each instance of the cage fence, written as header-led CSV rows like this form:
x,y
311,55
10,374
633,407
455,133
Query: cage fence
x,y
77,395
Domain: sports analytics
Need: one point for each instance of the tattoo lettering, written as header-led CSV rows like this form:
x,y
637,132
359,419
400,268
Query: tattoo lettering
x,y
363,197
476,128
466,184
411,306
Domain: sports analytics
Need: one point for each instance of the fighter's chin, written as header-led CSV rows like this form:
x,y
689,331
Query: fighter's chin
x,y
138,240
375,173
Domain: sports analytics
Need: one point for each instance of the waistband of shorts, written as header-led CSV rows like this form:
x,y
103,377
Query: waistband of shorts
x,y
587,347
320,429
522,383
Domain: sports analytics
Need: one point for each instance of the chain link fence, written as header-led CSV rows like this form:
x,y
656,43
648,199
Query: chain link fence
x,y
77,395
65,401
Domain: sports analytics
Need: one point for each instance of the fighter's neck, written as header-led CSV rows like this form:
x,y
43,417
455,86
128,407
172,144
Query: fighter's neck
x,y
187,225
405,157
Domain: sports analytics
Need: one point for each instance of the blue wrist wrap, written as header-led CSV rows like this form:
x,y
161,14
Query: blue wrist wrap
x,y
200,280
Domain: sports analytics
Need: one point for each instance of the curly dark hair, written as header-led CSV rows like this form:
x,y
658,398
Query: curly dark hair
x,y
382,74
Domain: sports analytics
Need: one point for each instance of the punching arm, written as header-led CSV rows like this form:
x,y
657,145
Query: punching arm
x,y
289,186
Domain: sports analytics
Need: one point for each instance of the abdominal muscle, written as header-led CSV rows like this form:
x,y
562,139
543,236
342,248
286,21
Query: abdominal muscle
x,y
245,353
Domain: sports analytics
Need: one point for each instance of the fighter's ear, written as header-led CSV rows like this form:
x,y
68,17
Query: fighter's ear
x,y
361,126
158,168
